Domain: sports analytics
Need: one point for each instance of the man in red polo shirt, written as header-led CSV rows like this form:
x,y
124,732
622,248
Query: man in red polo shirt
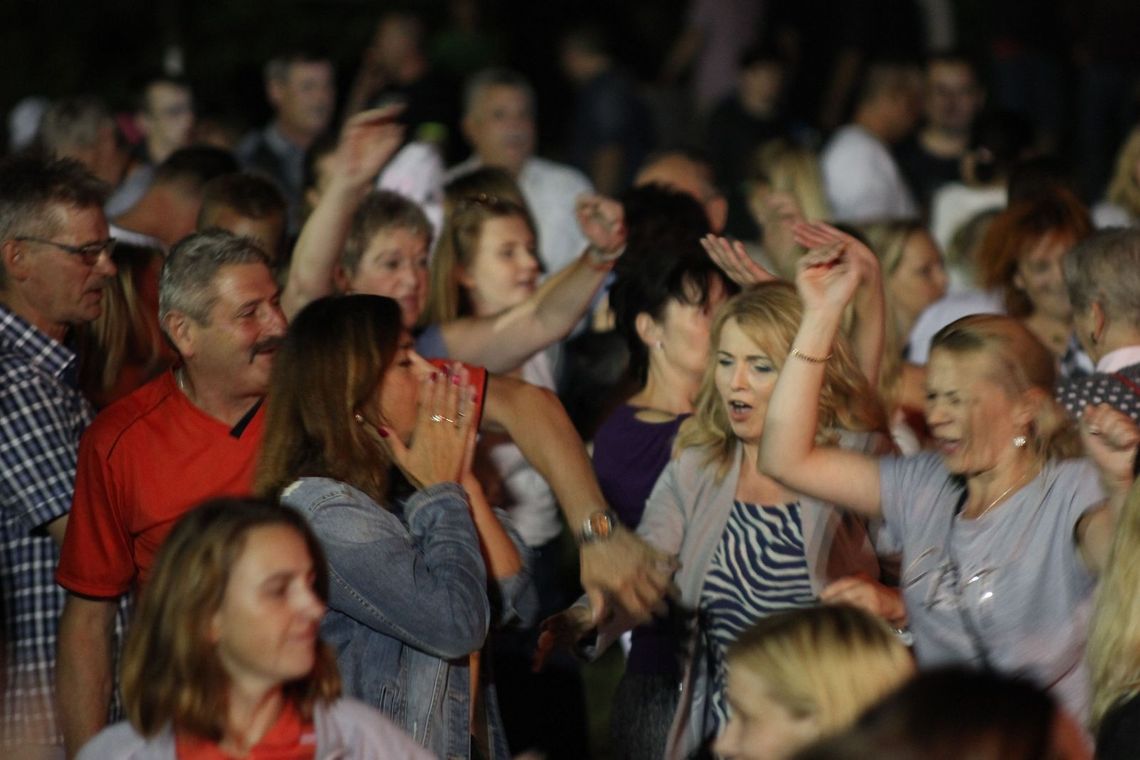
x,y
190,434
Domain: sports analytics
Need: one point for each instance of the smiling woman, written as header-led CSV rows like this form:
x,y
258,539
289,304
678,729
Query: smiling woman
x,y
223,655
1021,258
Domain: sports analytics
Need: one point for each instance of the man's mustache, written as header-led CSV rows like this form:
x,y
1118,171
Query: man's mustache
x,y
266,346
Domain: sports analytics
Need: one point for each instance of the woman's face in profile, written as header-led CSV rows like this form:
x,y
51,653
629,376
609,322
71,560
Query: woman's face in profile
x,y
399,390
266,629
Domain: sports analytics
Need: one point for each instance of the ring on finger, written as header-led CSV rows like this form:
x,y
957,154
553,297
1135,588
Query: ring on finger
x,y
438,418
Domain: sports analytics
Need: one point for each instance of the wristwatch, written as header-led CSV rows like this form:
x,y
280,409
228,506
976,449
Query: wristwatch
x,y
598,526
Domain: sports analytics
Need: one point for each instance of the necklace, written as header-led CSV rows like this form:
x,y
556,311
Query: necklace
x,y
1001,496
179,377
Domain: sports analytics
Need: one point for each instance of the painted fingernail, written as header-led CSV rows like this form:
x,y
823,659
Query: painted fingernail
x,y
433,377
456,379
383,432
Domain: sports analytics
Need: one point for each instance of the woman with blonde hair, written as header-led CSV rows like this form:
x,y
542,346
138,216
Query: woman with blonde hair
x,y
747,547
1114,632
786,184
1121,204
1000,536
797,676
913,279
223,656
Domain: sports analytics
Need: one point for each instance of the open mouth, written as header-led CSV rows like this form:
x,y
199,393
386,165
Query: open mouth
x,y
947,446
739,411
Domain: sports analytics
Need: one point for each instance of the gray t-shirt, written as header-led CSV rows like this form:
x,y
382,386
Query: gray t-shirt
x,y
1021,592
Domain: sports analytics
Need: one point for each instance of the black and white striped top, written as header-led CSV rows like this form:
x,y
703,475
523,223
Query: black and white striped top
x,y
759,568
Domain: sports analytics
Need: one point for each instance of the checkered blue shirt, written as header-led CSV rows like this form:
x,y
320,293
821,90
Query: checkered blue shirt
x,y
42,416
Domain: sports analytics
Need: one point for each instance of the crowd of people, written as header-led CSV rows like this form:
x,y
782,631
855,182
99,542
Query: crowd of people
x,y
298,432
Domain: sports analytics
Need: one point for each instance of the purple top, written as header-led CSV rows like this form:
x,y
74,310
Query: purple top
x,y
629,456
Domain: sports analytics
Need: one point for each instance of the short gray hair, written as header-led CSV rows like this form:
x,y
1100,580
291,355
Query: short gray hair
x,y
187,281
1106,268
494,77
33,186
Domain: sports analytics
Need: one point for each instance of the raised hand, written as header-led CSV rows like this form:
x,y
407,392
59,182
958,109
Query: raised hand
x,y
367,142
602,221
826,278
735,262
1110,438
820,234
441,442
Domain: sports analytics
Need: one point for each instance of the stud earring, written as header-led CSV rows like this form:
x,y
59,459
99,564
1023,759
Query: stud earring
x,y
1019,441
358,417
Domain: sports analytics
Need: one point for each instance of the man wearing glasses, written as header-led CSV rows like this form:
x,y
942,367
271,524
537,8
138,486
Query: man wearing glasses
x,y
55,258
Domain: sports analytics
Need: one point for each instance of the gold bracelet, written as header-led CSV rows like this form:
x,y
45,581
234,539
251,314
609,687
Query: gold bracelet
x,y
813,359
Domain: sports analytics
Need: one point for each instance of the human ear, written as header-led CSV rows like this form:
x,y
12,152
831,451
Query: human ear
x,y
1099,322
180,329
15,262
463,278
647,329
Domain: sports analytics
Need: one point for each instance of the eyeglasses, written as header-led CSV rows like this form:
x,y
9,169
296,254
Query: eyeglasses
x,y
88,253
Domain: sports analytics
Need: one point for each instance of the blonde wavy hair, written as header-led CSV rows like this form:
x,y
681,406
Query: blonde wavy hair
x,y
888,240
1113,649
790,168
1020,364
770,315
1124,188
829,663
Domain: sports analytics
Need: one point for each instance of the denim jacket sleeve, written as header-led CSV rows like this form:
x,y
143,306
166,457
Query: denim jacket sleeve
x,y
425,585
514,599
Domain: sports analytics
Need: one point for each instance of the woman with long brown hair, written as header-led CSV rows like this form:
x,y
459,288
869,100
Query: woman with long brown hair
x,y
372,446
223,655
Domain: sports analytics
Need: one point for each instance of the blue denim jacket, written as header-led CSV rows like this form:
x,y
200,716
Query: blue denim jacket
x,y
408,603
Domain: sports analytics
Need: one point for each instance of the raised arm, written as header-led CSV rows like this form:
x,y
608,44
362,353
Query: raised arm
x,y
367,142
868,333
1110,438
504,341
622,567
788,452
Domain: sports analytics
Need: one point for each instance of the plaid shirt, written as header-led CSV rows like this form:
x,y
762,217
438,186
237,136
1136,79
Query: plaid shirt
x,y
41,418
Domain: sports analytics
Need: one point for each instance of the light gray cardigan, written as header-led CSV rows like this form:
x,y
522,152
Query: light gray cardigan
x,y
686,515
346,730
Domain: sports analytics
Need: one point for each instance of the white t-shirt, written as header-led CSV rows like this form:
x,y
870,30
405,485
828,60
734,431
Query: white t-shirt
x,y
527,497
944,311
862,180
957,203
